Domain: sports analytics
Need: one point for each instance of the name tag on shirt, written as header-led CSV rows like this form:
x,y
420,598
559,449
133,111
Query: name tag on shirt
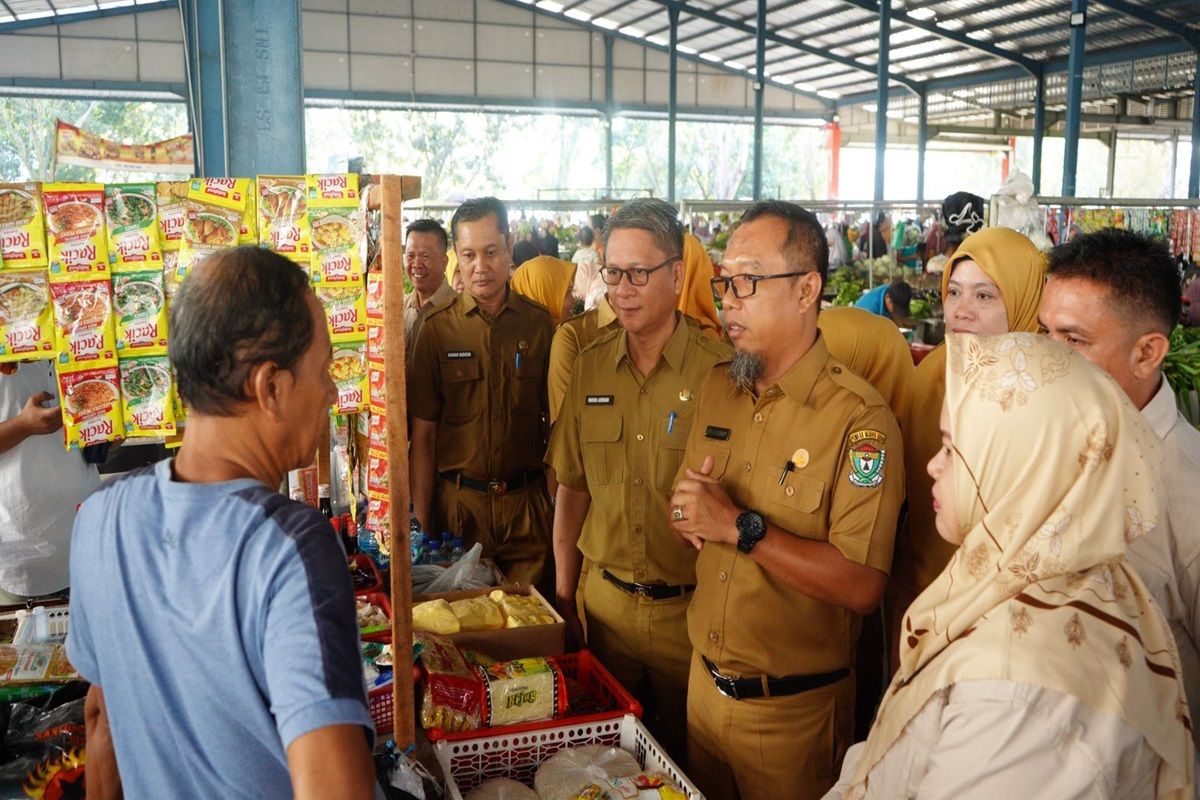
x,y
599,399
713,432
457,354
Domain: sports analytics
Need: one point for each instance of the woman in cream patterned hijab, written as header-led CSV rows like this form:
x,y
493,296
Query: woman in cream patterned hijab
x,y
1036,664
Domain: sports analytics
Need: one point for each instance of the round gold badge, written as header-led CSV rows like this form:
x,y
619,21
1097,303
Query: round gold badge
x,y
800,458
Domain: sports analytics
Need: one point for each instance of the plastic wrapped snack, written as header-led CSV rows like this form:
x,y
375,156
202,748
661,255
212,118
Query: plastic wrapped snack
x,y
643,786
435,616
502,789
477,614
522,611
524,690
571,770
450,699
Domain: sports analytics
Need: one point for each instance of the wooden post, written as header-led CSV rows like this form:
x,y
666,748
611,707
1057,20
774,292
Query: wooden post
x,y
393,190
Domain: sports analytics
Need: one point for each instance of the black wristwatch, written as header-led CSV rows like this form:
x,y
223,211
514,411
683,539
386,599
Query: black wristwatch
x,y
751,528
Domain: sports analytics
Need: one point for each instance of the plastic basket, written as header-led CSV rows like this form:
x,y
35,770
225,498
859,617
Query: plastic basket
x,y
469,762
379,703
365,563
384,632
587,670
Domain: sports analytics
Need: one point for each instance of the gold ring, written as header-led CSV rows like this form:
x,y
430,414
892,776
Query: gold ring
x,y
677,514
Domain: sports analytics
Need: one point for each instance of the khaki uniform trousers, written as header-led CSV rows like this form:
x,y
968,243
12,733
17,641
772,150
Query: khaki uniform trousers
x,y
644,644
514,528
767,748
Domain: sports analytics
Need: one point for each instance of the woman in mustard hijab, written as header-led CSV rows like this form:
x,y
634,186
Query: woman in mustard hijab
x,y
1036,664
695,299
992,286
547,281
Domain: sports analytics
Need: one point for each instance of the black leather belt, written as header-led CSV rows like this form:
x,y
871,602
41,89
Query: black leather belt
x,y
511,484
743,688
653,591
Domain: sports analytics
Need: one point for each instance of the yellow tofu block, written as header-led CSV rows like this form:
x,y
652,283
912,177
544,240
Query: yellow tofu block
x,y
435,616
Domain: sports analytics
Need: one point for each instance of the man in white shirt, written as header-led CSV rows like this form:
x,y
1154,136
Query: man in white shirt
x,y
1114,296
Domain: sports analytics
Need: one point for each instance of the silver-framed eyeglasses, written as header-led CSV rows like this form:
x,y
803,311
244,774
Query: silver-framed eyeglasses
x,y
745,284
638,276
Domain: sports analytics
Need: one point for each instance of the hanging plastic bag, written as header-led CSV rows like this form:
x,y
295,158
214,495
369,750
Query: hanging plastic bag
x,y
467,573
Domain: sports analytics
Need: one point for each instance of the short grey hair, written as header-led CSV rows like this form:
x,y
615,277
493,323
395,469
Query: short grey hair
x,y
657,217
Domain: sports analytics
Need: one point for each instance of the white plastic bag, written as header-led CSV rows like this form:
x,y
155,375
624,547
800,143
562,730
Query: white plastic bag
x,y
502,789
569,771
467,573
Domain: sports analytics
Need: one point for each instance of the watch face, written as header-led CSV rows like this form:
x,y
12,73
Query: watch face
x,y
751,529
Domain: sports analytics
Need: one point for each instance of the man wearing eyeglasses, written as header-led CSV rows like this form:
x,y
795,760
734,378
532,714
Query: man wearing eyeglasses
x,y
425,265
477,396
791,487
617,445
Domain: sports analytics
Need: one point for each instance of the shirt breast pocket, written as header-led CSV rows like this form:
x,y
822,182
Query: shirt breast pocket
x,y
530,379
720,457
462,390
600,441
796,506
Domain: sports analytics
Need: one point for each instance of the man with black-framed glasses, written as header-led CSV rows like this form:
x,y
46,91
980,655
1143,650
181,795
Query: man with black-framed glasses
x,y
791,487
616,447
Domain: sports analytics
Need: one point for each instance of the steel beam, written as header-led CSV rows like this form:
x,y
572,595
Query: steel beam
x,y
881,99
1039,131
1078,26
922,140
1194,172
66,19
672,96
760,80
1154,19
610,107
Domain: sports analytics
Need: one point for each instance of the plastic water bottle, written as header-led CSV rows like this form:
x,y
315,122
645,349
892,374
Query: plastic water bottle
x,y
367,543
416,541
446,547
432,551
458,551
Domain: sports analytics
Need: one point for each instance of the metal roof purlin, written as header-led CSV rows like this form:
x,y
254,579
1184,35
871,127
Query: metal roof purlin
x,y
80,16
1028,64
1154,19
734,24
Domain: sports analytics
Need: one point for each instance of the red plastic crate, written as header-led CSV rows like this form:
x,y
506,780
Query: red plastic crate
x,y
379,702
582,667
365,562
384,634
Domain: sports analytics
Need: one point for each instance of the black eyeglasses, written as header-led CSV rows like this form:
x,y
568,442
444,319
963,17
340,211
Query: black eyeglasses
x,y
745,284
638,276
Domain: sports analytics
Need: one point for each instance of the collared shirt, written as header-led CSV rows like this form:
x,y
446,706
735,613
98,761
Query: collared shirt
x,y
845,487
621,438
484,382
1168,558
570,338
414,312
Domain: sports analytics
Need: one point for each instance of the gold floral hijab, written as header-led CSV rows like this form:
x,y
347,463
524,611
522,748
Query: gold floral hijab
x,y
1040,591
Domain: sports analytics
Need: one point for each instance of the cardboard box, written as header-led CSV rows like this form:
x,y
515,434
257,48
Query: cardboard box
x,y
506,644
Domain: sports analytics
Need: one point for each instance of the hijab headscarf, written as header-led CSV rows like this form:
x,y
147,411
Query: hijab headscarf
x,y
1017,267
1040,592
695,299
872,347
545,280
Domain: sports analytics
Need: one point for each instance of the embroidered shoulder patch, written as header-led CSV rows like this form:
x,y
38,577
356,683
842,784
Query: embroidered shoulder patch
x,y
867,456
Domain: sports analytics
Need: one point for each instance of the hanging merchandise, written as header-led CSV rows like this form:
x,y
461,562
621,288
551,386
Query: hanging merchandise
x,y
91,404
140,303
147,395
83,321
75,225
215,207
22,230
349,371
283,217
131,211
248,226
333,216
26,315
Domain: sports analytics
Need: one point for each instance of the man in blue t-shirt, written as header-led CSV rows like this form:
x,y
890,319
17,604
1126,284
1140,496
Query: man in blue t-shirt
x,y
214,617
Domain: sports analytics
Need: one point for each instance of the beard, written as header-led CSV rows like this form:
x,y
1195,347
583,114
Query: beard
x,y
745,369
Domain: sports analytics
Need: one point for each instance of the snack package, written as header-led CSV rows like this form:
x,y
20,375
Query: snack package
x,y
140,302
334,221
75,227
502,789
377,469
435,616
132,214
521,611
22,231
345,311
573,769
524,690
477,614
375,296
248,228
371,617
376,353
283,217
91,404
376,385
451,696
83,321
172,213
379,510
642,786
26,316
349,373
215,207
147,401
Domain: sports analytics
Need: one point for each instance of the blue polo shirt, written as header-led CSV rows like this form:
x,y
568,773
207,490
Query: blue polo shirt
x,y
219,620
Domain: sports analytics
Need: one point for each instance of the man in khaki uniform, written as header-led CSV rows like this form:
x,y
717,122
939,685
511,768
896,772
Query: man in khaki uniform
x,y
425,265
792,484
616,448
477,397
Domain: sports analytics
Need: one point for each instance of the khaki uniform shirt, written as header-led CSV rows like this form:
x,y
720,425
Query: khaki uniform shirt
x,y
414,313
571,337
846,489
621,438
484,383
